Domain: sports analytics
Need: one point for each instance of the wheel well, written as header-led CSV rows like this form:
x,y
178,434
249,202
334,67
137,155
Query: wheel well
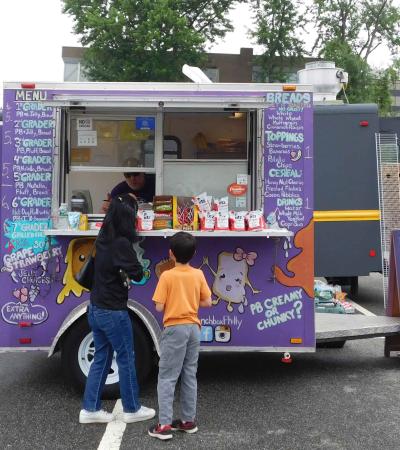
x,y
135,318
139,323
60,342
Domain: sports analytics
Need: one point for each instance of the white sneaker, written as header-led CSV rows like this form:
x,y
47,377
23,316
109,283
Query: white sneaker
x,y
100,416
143,414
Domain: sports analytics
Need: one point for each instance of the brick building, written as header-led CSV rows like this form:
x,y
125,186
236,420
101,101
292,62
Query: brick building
x,y
220,67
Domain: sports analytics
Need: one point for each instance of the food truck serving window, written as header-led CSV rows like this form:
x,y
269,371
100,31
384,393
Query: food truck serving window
x,y
218,135
214,154
103,148
101,142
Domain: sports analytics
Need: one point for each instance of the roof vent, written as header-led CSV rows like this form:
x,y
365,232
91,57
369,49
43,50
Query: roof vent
x,y
326,79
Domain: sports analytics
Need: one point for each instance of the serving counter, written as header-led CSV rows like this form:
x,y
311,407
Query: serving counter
x,y
169,232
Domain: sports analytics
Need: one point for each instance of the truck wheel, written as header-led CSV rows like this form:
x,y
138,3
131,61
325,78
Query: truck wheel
x,y
78,351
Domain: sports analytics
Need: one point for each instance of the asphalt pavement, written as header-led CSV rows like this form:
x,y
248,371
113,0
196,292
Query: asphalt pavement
x,y
334,399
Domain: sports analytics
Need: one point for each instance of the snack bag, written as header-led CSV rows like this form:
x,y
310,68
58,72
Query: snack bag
x,y
207,221
272,220
237,220
162,203
162,224
256,221
83,222
221,205
222,221
162,221
185,216
203,202
145,220
163,206
74,218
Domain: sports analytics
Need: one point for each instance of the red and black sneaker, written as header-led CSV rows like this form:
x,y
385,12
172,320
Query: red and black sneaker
x,y
187,427
161,432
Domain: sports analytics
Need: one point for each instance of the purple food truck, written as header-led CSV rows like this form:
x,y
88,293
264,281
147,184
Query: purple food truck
x,y
66,141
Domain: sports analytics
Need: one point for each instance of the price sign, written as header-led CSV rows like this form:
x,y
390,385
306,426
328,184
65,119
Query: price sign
x,y
84,124
87,138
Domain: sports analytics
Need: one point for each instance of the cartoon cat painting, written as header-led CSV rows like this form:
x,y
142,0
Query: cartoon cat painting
x,y
231,278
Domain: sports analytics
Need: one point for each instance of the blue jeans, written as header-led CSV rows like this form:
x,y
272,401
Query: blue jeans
x,y
112,331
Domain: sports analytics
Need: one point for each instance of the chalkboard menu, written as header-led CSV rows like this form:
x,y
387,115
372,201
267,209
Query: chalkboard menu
x,y
288,169
28,142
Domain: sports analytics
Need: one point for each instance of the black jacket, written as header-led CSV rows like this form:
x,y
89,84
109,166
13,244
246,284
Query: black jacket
x,y
108,291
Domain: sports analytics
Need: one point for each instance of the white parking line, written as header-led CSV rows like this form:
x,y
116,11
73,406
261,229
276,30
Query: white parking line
x,y
112,437
361,309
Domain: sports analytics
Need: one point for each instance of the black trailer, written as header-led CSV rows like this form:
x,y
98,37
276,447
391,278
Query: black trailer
x,y
347,227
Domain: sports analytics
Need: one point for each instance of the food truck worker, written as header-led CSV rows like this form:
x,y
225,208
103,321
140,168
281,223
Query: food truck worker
x,y
137,183
141,185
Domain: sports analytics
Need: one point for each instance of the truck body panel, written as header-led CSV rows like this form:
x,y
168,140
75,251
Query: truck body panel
x,y
262,286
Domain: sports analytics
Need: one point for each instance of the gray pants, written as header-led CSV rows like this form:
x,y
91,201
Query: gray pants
x,y
179,355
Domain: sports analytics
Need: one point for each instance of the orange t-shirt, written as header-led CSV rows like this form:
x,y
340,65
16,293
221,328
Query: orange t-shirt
x,y
181,289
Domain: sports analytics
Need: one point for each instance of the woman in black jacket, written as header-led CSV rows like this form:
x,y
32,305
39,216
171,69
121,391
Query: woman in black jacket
x,y
109,318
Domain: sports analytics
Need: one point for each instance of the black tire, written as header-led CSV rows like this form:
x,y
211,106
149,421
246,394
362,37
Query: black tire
x,y
75,375
354,286
334,344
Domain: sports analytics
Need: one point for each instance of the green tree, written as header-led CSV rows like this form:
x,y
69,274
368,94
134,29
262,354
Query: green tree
x,y
360,75
365,84
277,25
381,91
146,40
349,31
363,24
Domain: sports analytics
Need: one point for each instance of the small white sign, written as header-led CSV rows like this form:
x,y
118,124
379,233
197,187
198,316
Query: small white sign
x,y
240,202
87,138
84,124
241,178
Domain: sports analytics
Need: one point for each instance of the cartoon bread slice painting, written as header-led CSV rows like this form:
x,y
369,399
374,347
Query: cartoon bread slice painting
x,y
231,278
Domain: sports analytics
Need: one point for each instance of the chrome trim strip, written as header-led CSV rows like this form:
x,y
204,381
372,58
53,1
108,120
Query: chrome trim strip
x,y
293,349
23,349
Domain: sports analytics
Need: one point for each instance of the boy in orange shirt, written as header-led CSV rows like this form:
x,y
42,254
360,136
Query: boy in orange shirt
x,y
179,293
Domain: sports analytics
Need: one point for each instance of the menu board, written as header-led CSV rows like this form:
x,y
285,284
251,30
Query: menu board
x,y
288,173
28,142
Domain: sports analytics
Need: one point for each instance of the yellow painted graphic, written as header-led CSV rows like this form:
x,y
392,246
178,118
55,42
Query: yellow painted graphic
x,y
77,253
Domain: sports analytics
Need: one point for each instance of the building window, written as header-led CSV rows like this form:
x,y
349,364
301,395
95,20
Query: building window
x,y
71,71
212,73
289,76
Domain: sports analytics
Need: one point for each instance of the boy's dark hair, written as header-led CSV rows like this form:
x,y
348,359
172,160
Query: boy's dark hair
x,y
183,246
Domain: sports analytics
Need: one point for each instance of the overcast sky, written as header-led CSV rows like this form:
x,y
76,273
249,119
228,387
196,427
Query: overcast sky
x,y
33,32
